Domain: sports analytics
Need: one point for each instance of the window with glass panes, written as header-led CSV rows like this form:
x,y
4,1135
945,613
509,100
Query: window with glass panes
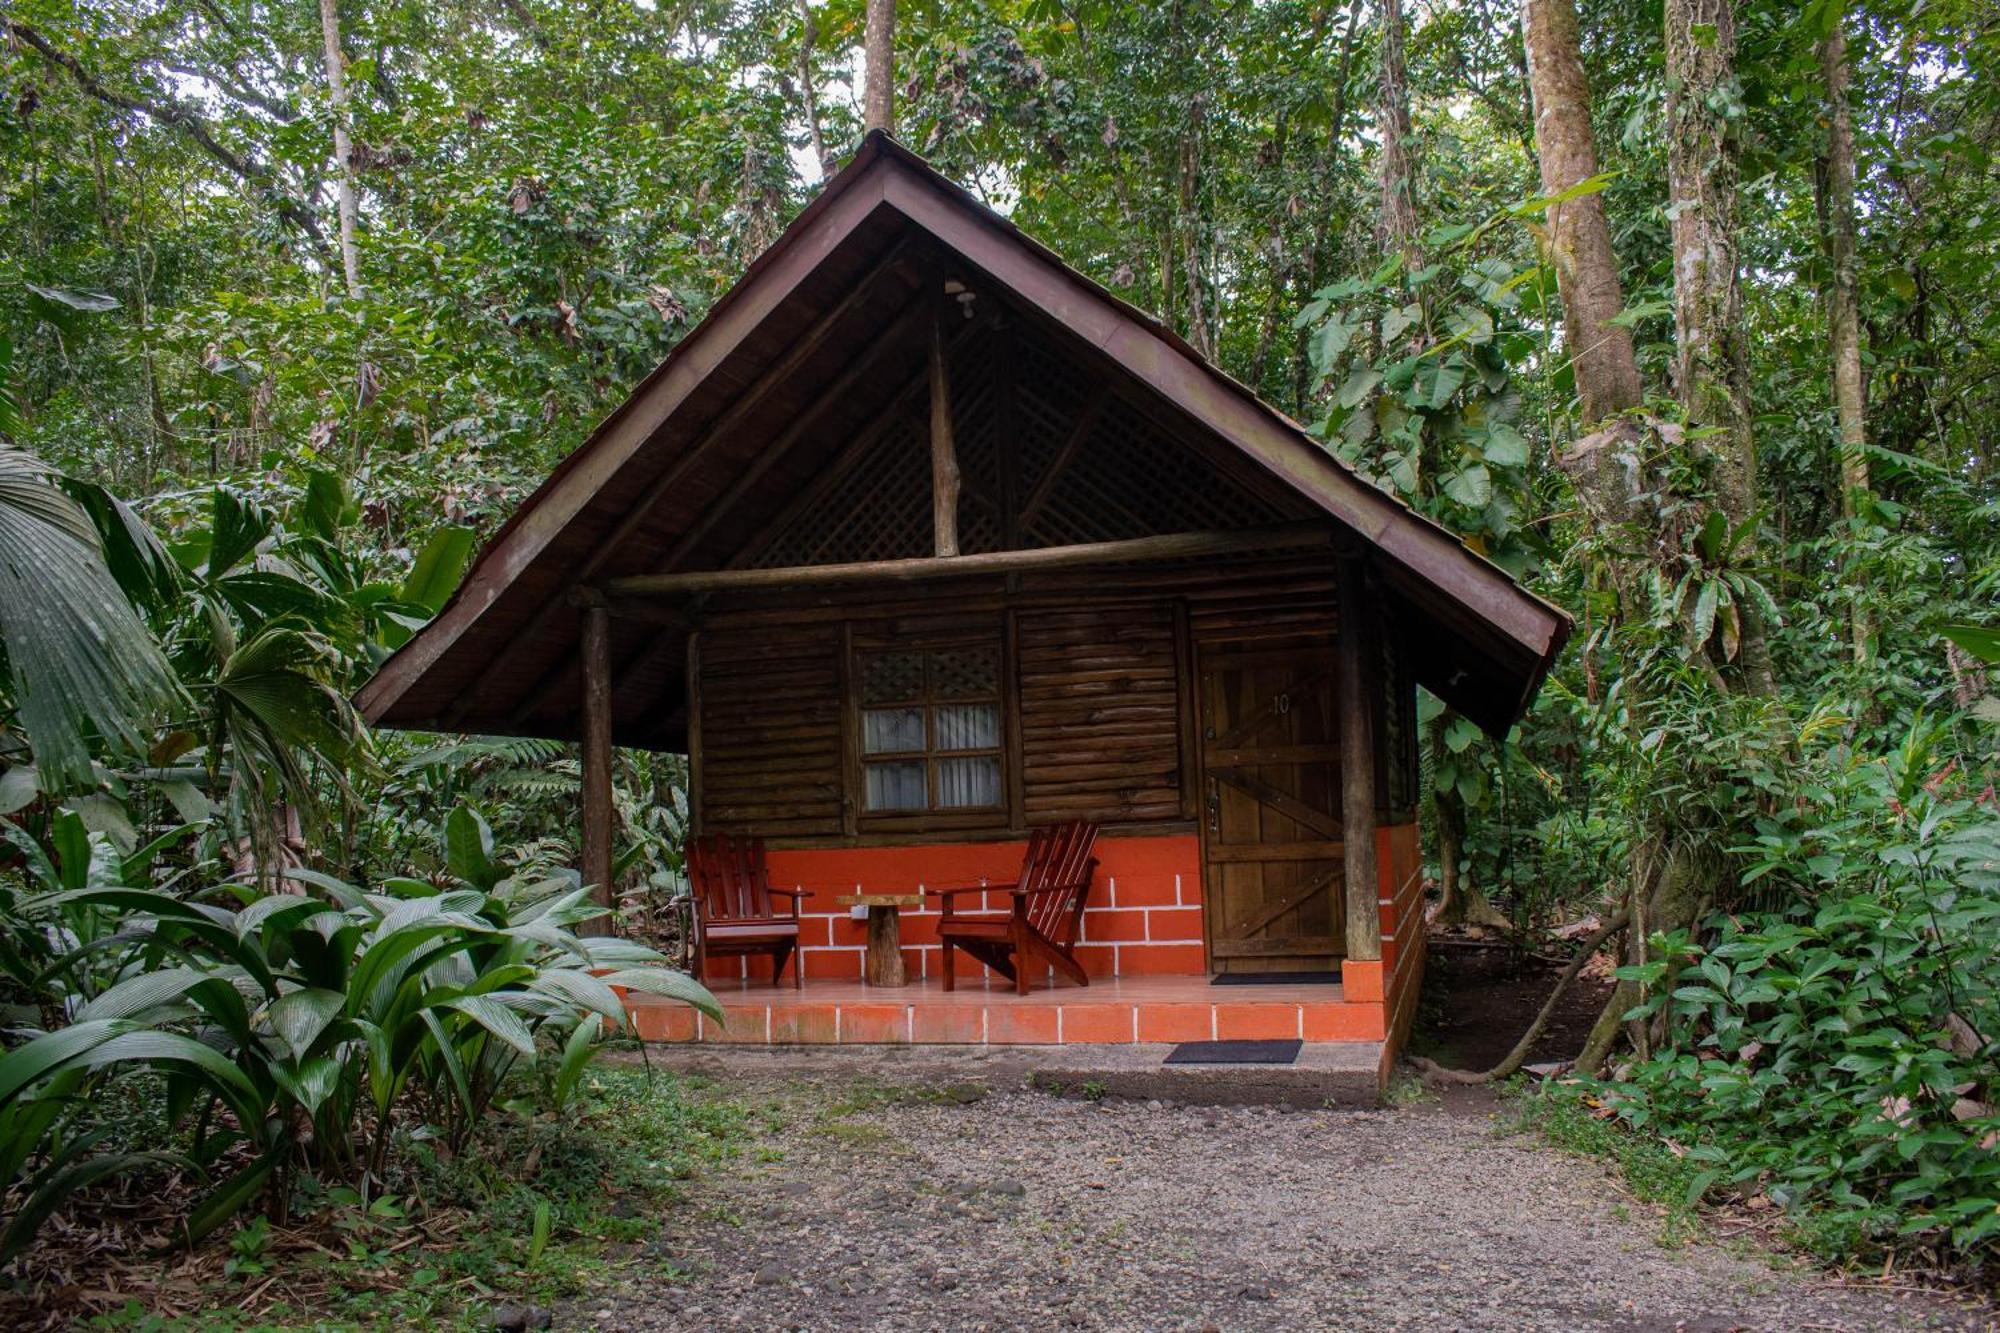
x,y
930,729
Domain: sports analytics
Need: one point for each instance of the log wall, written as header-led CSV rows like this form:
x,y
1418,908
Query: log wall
x,y
1097,710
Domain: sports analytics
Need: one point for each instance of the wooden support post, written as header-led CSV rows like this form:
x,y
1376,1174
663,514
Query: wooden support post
x,y
1357,766
695,768
944,453
597,761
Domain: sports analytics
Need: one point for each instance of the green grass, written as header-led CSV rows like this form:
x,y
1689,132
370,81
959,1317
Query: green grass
x,y
602,1178
1652,1171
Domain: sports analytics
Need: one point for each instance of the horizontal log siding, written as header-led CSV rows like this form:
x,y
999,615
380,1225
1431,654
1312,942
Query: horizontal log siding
x,y
1100,710
1097,703
770,732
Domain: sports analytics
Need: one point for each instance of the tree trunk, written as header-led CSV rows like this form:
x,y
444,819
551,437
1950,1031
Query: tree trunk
x,y
1669,895
1396,223
1579,238
1843,316
808,35
878,107
343,146
1200,333
1704,107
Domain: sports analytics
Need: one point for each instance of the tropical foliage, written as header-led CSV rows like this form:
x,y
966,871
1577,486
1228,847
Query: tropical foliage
x,y
245,449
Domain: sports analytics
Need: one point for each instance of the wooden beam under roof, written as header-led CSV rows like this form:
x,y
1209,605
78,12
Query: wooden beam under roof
x,y
1170,546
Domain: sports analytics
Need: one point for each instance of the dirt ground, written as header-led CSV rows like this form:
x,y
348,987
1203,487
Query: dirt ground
x,y
943,1202
1479,999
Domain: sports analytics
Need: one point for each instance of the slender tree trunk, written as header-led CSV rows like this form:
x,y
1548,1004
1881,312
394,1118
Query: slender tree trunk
x,y
1712,375
343,146
878,107
1850,395
1579,238
808,35
1396,223
1200,332
1607,463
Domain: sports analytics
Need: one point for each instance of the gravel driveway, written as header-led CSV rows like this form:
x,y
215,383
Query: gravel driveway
x,y
946,1206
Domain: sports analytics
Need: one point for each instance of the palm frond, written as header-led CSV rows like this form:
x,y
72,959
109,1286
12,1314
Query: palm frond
x,y
79,657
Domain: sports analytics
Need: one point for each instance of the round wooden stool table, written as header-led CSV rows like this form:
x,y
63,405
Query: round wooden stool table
x,y
885,933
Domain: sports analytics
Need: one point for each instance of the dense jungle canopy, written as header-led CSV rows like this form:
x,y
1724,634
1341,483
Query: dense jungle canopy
x,y
1685,312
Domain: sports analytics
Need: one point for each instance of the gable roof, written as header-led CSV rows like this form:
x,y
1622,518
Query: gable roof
x,y
655,479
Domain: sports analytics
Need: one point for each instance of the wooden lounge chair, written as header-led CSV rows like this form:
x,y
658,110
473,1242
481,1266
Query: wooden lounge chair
x,y
733,910
1047,912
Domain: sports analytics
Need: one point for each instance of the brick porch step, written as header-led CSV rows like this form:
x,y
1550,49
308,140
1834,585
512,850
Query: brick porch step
x,y
1117,1011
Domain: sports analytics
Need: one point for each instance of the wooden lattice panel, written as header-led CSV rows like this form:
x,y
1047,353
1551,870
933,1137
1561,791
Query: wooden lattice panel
x,y
881,510
1128,479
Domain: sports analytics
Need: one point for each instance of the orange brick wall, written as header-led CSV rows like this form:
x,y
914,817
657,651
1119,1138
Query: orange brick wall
x,y
1393,982
1399,856
1143,917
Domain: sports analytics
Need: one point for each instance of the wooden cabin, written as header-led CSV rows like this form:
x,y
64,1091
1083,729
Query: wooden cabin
x,y
922,540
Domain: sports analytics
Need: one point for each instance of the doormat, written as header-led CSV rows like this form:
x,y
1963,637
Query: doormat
x,y
1235,1052
1276,979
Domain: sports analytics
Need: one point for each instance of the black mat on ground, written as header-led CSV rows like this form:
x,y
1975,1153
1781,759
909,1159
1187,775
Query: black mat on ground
x,y
1276,979
1235,1052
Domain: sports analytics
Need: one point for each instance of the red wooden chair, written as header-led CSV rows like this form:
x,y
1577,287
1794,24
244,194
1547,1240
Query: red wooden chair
x,y
1047,912
733,910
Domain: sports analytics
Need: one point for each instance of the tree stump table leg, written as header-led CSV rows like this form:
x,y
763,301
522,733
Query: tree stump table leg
x,y
885,947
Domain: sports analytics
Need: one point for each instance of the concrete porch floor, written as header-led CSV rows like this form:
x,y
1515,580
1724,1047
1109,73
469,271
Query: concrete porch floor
x,y
1127,1011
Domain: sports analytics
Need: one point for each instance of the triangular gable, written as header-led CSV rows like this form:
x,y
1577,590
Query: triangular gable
x,y
1485,642
1087,466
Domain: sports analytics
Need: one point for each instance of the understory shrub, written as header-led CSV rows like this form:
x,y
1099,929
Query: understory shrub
x,y
1838,1056
294,1033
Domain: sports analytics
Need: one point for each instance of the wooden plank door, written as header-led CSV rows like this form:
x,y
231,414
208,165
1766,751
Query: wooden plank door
x,y
1271,822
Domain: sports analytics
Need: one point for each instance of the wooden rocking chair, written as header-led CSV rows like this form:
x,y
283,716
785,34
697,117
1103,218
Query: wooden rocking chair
x,y
1048,910
733,910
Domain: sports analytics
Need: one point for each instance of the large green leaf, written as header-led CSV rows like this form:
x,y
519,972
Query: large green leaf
x,y
311,1083
148,990
228,1198
300,1016
94,303
468,841
437,569
577,987
149,1047
52,1050
1471,487
497,1019
663,981
324,508
236,527
1981,641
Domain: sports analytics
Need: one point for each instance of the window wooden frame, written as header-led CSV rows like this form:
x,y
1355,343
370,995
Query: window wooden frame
x,y
860,648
